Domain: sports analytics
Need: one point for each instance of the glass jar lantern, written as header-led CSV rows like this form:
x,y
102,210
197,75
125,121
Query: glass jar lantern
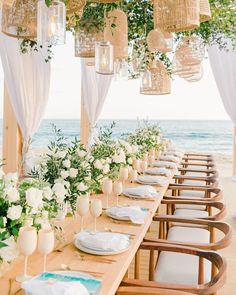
x,y
145,82
104,60
121,69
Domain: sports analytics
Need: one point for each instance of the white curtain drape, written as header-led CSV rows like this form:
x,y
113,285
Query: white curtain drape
x,y
27,77
95,88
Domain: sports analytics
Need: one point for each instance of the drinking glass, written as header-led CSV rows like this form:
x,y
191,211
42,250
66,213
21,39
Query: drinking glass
x,y
133,175
82,208
143,166
124,174
96,211
107,190
145,157
136,165
46,242
151,160
27,243
117,189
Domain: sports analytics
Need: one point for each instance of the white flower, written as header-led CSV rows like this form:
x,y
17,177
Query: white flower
x,y
87,178
11,178
10,252
61,154
98,164
60,192
106,168
1,174
130,161
4,219
82,187
134,149
73,172
34,198
81,153
117,159
47,193
64,174
14,212
12,194
66,163
108,160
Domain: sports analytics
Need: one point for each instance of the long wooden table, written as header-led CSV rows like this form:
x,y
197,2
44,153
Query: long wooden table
x,y
111,273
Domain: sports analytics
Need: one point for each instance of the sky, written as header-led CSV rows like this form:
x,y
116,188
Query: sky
x,y
189,101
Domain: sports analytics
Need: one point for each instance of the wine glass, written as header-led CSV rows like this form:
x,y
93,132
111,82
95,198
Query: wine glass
x,y
124,174
96,210
27,243
145,157
117,189
151,160
107,190
46,242
82,208
136,165
133,175
144,166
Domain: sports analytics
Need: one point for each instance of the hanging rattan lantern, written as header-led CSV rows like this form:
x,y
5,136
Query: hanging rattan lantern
x,y
205,11
145,82
195,77
85,43
19,18
187,72
158,40
160,80
116,32
75,6
103,1
176,16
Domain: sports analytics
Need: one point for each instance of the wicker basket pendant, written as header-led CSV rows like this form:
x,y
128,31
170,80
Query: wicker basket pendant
x,y
158,40
160,80
85,43
205,10
103,1
19,18
116,32
176,16
75,6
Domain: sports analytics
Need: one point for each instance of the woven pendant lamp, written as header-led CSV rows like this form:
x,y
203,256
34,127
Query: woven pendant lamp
x,y
176,16
205,11
85,43
158,40
19,18
195,77
75,7
103,1
116,32
160,79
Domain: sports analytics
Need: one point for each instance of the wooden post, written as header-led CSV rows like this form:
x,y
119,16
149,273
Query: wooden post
x,y
12,139
234,152
84,123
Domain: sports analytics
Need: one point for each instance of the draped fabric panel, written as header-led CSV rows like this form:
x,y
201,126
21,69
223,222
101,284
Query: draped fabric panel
x,y
27,78
95,88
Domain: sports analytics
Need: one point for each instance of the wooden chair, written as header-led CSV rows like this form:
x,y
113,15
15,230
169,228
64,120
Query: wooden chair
x,y
202,273
195,165
148,291
201,181
198,172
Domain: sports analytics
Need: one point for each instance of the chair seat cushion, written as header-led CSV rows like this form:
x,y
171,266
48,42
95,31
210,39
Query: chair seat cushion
x,y
202,167
196,173
191,213
192,207
194,182
189,235
192,193
178,268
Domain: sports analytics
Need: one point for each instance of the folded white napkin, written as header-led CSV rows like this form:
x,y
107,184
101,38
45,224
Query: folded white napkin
x,y
150,179
166,164
170,158
158,171
37,287
104,241
134,213
141,191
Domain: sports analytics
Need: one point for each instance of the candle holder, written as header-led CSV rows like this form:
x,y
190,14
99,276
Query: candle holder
x,y
104,61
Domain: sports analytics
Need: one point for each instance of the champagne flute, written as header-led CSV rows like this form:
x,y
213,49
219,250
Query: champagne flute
x,y
46,242
27,243
117,189
107,190
133,175
144,166
96,211
124,174
82,208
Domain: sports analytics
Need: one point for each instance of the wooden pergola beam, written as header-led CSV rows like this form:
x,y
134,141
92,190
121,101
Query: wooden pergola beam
x,y
84,123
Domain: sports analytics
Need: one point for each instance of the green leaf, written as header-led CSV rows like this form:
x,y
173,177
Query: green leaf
x,y
2,245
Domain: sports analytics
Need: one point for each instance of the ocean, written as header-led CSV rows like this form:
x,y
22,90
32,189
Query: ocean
x,y
208,136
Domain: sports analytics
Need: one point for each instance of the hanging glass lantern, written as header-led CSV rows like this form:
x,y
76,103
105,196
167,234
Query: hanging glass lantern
x,y
145,82
121,69
85,43
51,23
104,60
158,40
197,76
19,18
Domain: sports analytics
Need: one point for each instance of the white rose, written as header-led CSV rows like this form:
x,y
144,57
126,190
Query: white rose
x,y
4,219
66,184
64,174
82,187
130,161
14,212
108,160
61,154
81,153
73,172
12,194
10,252
98,164
34,198
11,177
66,163
47,193
106,168
117,159
87,178
60,192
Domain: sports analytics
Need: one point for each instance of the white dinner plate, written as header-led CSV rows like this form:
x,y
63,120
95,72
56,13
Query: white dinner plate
x,y
140,197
